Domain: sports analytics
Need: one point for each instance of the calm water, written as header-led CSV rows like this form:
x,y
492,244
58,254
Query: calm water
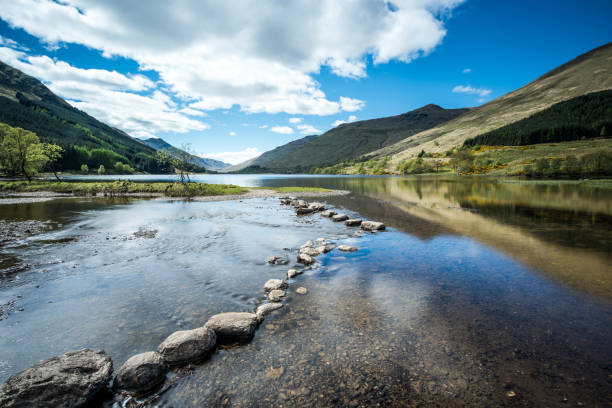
x,y
480,289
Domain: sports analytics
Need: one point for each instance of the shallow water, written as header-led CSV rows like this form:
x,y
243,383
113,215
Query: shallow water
x,y
478,290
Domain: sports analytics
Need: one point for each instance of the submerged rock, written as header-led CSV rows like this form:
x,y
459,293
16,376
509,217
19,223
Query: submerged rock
x,y
187,345
339,217
273,284
276,295
233,326
352,223
302,290
141,373
305,259
70,380
304,210
328,213
266,309
277,260
292,273
347,248
372,226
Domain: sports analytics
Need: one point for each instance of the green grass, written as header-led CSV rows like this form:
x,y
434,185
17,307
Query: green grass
x,y
122,187
297,189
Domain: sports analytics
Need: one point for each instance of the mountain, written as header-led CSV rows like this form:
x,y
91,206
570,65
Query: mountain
x,y
27,103
346,141
258,164
208,164
590,72
583,117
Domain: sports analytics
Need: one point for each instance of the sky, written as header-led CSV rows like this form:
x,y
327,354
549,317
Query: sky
x,y
233,79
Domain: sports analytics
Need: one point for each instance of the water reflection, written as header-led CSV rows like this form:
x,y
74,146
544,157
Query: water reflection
x,y
480,290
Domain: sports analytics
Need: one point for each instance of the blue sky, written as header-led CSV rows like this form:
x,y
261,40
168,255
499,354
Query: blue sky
x,y
236,80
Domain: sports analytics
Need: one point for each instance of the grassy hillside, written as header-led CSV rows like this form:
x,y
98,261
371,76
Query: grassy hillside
x,y
349,140
584,117
587,73
25,102
208,164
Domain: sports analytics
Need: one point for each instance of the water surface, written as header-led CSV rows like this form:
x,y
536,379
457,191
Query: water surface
x,y
481,293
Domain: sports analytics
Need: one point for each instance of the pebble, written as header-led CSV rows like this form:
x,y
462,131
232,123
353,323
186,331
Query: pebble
x,y
301,290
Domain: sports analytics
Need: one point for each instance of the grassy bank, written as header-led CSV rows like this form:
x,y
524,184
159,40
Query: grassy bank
x,y
122,187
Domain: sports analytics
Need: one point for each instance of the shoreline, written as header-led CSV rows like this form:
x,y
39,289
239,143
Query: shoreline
x,y
25,197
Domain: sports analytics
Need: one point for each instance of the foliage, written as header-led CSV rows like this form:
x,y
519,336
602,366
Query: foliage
x,y
123,168
22,154
415,166
101,169
124,187
593,164
84,168
584,117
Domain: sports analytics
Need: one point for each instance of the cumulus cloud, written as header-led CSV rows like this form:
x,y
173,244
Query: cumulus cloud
x,y
110,96
350,119
234,157
467,89
467,70
295,120
283,130
232,133
308,129
260,56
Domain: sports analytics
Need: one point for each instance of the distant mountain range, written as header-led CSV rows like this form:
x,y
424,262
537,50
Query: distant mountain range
x,y
434,129
347,141
27,103
208,164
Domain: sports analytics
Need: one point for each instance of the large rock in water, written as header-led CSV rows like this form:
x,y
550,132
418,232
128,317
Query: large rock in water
x,y
305,259
273,284
70,380
233,326
339,217
372,226
141,373
352,223
309,251
265,309
187,345
328,213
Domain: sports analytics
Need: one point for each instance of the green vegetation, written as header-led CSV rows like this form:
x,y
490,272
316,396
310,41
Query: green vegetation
x,y
22,154
123,187
26,103
592,158
584,117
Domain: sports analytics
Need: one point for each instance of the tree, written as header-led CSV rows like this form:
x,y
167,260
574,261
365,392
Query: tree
x,y
21,153
101,169
54,153
84,168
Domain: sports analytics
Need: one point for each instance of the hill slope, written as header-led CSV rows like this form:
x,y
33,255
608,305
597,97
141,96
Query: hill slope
x,y
27,103
349,140
590,72
208,164
583,117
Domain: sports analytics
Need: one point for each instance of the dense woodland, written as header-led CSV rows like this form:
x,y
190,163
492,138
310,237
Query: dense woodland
x,y
584,117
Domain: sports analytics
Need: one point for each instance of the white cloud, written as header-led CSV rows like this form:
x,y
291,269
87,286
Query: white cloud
x,y
308,129
350,104
260,56
234,157
232,133
467,70
351,118
108,95
193,112
295,120
263,127
467,89
284,130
